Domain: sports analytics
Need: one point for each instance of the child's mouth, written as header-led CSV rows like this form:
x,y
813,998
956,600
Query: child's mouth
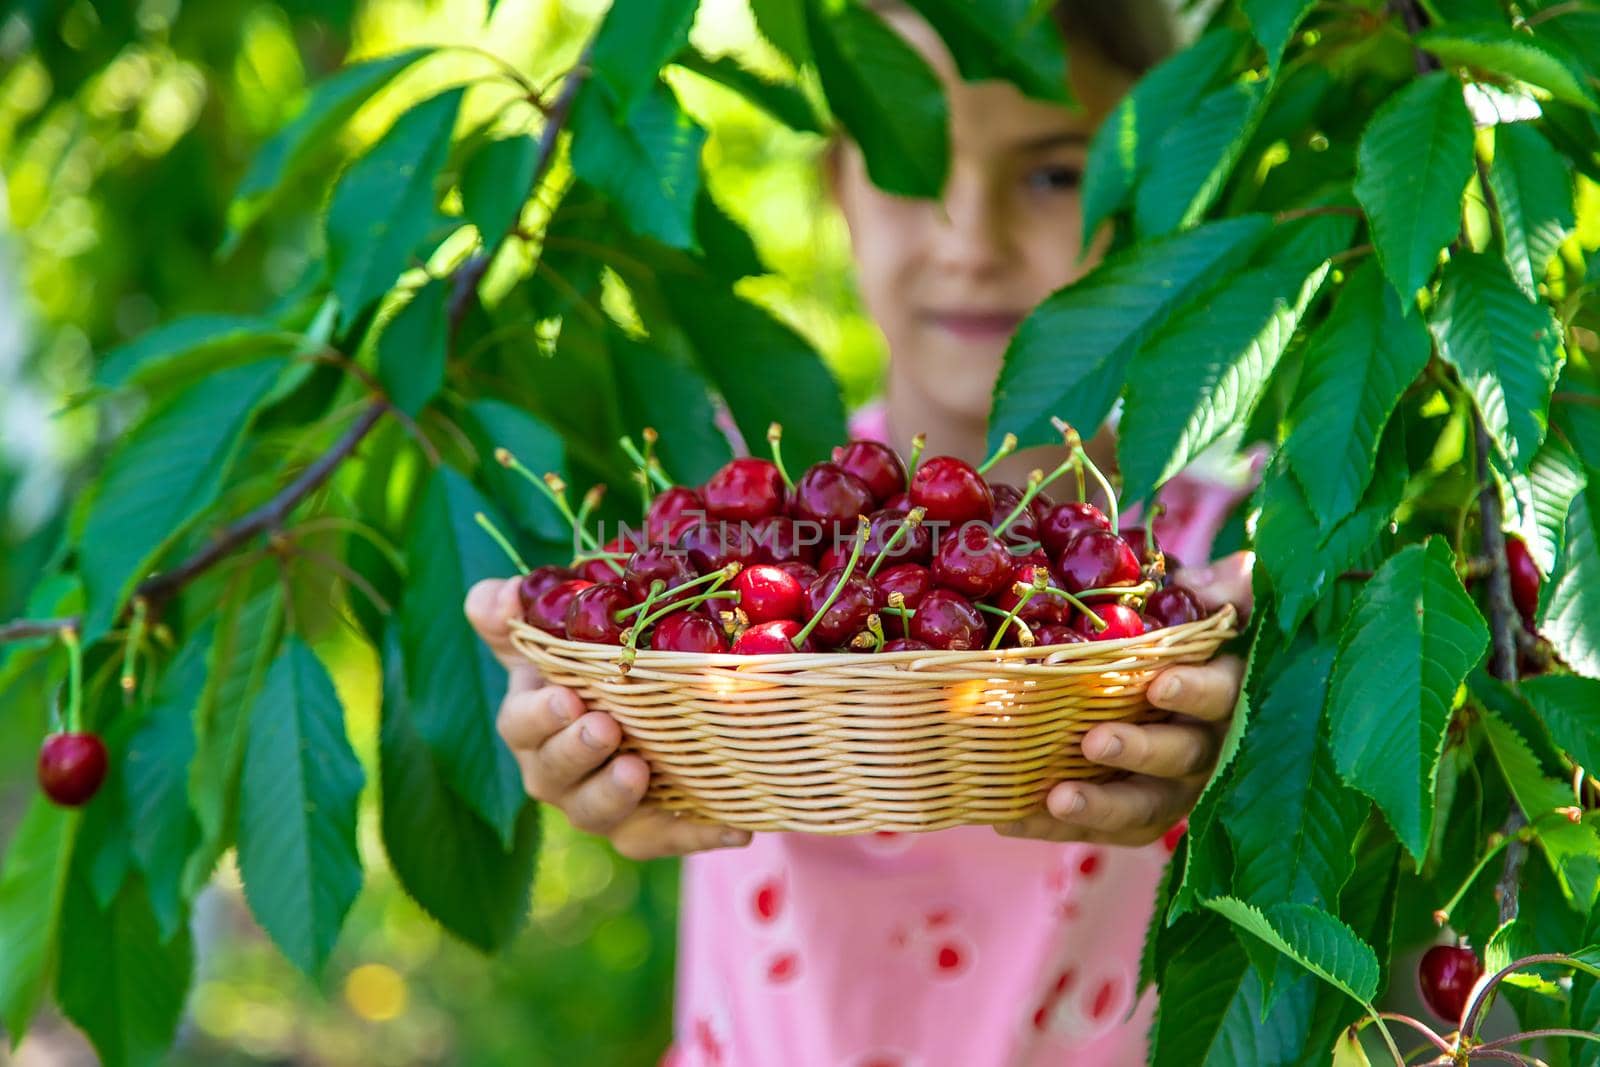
x,y
977,325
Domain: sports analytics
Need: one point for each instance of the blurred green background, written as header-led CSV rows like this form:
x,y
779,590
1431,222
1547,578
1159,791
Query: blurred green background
x,y
125,126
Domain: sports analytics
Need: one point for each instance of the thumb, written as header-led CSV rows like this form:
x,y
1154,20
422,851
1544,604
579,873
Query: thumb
x,y
489,607
1224,581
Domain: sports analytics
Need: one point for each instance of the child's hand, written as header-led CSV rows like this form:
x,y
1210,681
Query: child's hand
x,y
1170,761
567,756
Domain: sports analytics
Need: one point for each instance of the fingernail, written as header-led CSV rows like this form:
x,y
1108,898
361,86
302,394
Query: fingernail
x,y
1110,749
1170,688
735,837
589,738
1075,803
560,711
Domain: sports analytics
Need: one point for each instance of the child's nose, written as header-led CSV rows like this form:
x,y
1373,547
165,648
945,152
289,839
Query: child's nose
x,y
972,234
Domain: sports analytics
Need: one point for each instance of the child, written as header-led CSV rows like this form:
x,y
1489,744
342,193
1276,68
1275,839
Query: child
x,y
965,947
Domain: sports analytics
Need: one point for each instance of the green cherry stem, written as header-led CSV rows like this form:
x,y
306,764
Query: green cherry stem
x,y
862,529
714,580
1025,634
1036,485
130,650
684,605
1075,447
1143,589
918,444
875,628
630,642
69,637
649,466
591,500
500,539
902,530
1008,445
552,488
775,442
1095,620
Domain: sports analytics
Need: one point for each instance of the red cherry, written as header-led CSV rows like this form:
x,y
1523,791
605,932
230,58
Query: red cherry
x,y
830,497
599,570
745,489
536,581
687,631
912,581
947,620
667,508
592,614
1173,606
848,614
802,572
778,540
1041,607
767,593
1139,541
900,502
1121,621
907,644
767,638
1056,633
1525,579
876,464
71,767
656,562
1024,530
549,609
974,562
1446,976
1095,559
711,546
916,544
952,491
1065,521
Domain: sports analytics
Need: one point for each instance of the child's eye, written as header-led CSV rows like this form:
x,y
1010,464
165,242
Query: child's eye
x,y
1054,177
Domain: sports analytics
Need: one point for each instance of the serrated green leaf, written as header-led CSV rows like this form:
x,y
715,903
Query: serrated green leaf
x,y
648,163
187,346
330,104
1412,636
495,183
657,389
764,370
120,982
1311,937
1356,366
783,102
1506,346
297,810
726,249
1070,355
886,95
1570,616
384,205
162,477
1412,164
1204,371
783,23
1011,39
446,858
1570,707
1195,157
456,682
635,40
1126,142
32,886
1502,50
412,348
1532,190
537,447
1274,22
1541,499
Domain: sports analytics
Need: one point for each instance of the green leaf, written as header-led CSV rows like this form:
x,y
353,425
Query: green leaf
x,y
1274,22
1570,616
886,95
162,477
32,885
1411,638
1195,157
1532,189
384,205
1525,57
412,348
456,682
1204,371
1011,39
764,370
447,858
1411,167
162,829
1570,707
120,982
783,23
783,102
1126,142
1506,346
635,40
648,164
1290,819
657,389
539,448
1541,499
1311,937
495,183
187,346
1069,356
297,814
726,249
292,149
1356,366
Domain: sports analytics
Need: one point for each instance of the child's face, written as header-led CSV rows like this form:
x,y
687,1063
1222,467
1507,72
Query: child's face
x,y
948,281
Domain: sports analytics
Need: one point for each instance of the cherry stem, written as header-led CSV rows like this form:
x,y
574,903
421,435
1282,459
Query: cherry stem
x,y
1024,633
717,577
775,442
1008,445
553,489
69,637
1531,1035
500,539
631,638
1036,484
684,605
875,628
863,527
1074,445
1095,620
1525,834
918,443
903,530
130,650
1486,991
1433,1037
648,464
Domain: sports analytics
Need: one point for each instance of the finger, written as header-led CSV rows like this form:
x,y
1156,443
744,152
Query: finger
x,y
1162,750
651,833
490,606
572,755
599,803
1042,827
1224,581
1138,804
530,717
1205,690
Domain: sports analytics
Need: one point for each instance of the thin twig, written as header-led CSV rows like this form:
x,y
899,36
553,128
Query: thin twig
x,y
24,629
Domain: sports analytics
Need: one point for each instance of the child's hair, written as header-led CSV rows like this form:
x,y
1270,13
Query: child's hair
x,y
1133,34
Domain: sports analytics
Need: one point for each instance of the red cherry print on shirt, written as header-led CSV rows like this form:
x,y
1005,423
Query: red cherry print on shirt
x,y
1089,865
951,959
783,967
1171,838
767,901
706,1038
1098,1006
935,919
1064,981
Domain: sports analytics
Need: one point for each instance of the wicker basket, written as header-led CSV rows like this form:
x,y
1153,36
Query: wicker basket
x,y
844,744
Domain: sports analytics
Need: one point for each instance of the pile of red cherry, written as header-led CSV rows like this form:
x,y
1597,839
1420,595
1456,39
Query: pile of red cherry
x,y
859,554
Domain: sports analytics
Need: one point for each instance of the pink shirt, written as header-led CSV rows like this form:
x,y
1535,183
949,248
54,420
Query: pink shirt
x,y
956,948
